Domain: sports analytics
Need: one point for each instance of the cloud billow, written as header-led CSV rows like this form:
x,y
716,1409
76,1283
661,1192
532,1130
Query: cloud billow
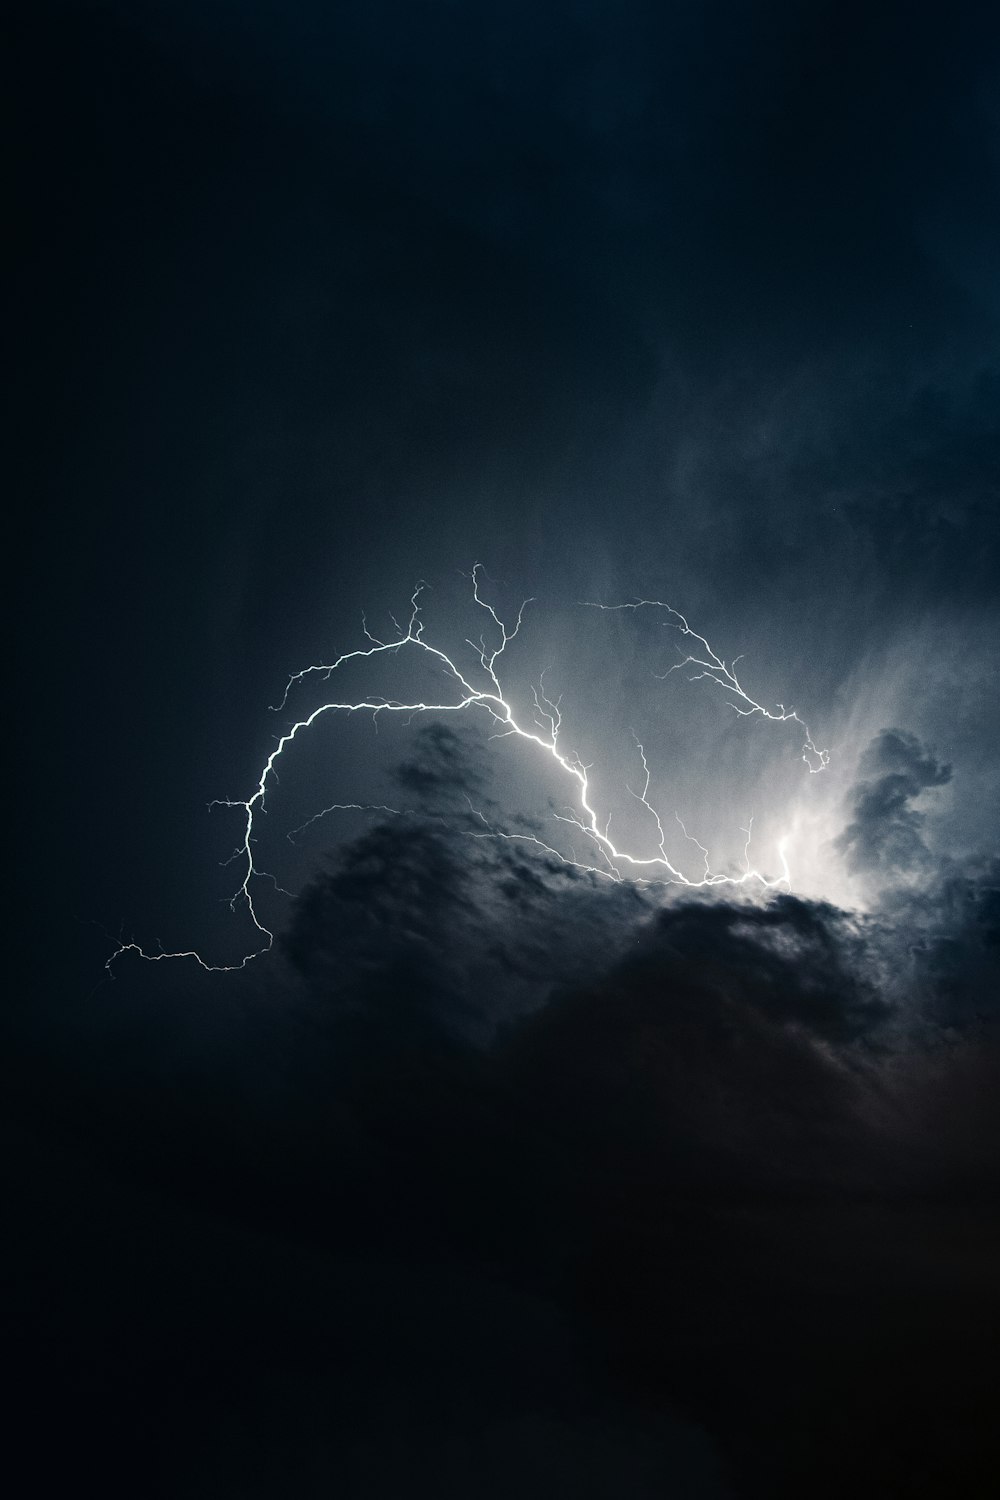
x,y
511,1181
885,835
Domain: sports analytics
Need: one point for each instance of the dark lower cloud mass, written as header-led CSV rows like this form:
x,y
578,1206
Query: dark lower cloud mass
x,y
503,1182
497,1179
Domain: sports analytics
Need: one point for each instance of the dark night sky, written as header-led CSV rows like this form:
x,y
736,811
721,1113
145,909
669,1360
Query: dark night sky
x,y
494,1179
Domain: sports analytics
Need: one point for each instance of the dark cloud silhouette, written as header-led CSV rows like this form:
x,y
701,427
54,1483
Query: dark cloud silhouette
x,y
884,836
957,945
673,1195
437,917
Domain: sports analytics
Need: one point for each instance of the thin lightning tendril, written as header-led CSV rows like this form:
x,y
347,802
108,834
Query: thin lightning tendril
x,y
714,669
615,864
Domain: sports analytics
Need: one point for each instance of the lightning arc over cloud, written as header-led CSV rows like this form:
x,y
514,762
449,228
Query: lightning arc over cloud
x,y
544,733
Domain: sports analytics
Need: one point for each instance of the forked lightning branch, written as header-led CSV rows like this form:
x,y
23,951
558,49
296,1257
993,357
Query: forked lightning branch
x,y
475,686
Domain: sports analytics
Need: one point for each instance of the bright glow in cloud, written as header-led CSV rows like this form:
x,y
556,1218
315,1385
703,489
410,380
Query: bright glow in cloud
x,y
478,687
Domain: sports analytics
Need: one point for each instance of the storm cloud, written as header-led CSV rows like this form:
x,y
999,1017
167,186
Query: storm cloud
x,y
647,1187
884,836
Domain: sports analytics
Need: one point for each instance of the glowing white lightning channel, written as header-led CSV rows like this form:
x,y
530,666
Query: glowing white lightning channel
x,y
545,735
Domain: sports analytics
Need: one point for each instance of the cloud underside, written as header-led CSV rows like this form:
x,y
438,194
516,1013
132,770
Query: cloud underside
x,y
515,1182
750,1145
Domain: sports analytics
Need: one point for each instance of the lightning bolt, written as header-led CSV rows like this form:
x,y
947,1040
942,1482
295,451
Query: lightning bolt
x,y
714,669
543,732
